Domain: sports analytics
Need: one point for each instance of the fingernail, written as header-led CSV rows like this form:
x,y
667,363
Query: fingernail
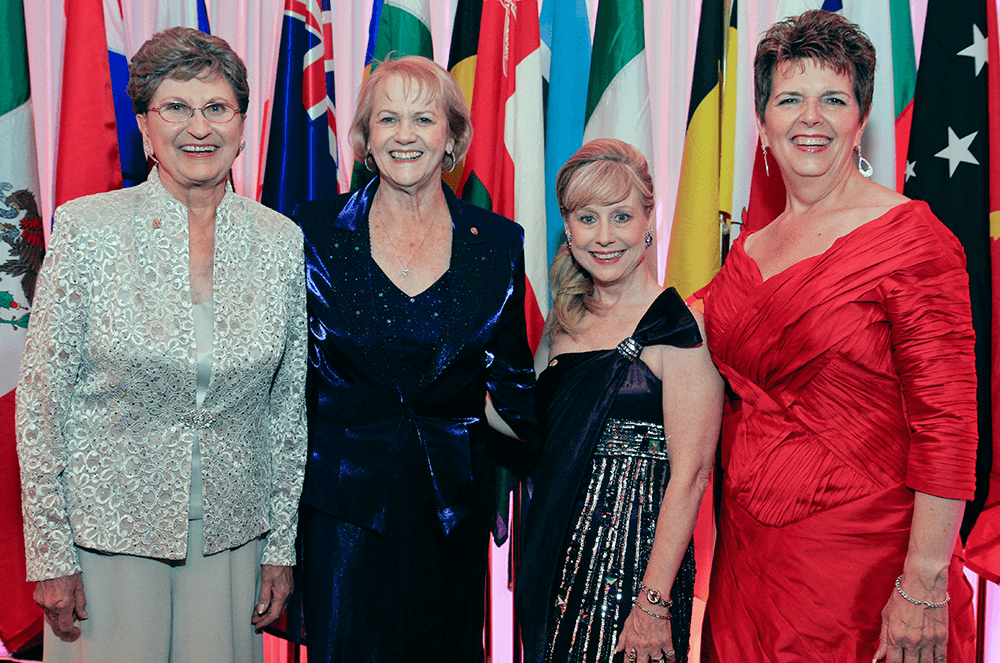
x,y
261,609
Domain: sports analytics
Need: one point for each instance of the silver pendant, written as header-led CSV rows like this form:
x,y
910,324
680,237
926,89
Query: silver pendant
x,y
406,272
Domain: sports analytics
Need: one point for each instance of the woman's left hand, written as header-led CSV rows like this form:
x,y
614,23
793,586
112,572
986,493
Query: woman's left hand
x,y
912,632
275,587
650,638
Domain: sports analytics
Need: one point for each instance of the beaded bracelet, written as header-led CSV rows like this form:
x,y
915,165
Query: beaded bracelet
x,y
926,604
651,613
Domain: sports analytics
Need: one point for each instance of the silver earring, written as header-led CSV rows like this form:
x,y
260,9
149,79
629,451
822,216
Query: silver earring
x,y
649,239
449,156
242,147
372,166
148,151
767,171
569,240
864,165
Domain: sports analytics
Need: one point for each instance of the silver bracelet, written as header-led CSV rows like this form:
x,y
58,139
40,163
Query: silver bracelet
x,y
655,597
651,613
926,604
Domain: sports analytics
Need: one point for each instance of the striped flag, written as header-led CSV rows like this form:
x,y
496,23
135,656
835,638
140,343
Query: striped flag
x,y
462,63
302,148
982,549
87,159
618,93
904,81
21,251
506,156
695,253
564,28
401,27
949,157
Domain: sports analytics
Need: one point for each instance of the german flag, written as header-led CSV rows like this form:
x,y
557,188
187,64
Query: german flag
x,y
695,251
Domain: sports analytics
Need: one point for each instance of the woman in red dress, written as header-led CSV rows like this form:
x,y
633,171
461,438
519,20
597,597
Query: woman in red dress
x,y
844,330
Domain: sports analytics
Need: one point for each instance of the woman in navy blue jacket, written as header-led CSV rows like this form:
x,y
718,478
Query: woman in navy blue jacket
x,y
416,314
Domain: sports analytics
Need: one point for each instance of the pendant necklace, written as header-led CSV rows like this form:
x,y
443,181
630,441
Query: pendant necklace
x,y
406,266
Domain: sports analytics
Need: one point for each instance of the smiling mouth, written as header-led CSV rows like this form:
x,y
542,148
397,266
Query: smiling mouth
x,y
607,257
406,156
199,149
812,141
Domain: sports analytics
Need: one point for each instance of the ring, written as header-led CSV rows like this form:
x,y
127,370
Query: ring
x,y
633,655
669,654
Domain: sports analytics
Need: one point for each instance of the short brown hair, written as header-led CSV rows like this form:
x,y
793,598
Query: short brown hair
x,y
432,81
830,40
182,54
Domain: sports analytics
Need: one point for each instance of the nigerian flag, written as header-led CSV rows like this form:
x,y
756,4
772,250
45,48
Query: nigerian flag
x,y
401,27
618,93
21,251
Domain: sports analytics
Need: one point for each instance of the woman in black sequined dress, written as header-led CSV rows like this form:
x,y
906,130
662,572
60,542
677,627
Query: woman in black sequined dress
x,y
631,405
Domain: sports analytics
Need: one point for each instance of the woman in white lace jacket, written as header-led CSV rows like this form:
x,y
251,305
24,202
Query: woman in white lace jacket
x,y
160,408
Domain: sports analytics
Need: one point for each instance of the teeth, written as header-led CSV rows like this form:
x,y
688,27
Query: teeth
x,y
405,156
812,142
607,256
199,148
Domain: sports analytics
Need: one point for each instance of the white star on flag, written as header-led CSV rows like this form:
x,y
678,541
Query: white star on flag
x,y
910,170
977,50
958,151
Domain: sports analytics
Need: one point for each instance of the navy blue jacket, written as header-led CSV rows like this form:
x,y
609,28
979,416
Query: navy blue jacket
x,y
359,423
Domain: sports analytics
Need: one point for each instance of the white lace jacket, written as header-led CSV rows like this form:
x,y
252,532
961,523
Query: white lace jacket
x,y
106,416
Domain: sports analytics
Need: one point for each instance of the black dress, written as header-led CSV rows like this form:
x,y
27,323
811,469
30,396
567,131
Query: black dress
x,y
592,516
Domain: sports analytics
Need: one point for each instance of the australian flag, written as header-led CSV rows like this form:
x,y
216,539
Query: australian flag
x,y
302,148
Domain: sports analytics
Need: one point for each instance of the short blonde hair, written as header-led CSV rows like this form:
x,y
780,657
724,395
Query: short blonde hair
x,y
432,81
602,172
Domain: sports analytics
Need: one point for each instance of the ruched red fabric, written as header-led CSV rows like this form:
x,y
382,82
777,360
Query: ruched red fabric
x,y
853,382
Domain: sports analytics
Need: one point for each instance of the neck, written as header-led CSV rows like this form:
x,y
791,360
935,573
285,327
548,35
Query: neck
x,y
636,286
397,205
803,194
201,201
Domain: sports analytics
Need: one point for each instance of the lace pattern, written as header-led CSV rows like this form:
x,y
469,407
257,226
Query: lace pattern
x,y
106,402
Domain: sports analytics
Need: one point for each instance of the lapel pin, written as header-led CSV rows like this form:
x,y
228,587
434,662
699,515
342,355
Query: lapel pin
x,y
474,230
157,223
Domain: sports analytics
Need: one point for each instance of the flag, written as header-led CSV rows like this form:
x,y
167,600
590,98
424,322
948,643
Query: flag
x,y
695,252
507,155
21,251
87,159
302,149
462,63
948,157
618,91
564,28
982,549
400,27
904,80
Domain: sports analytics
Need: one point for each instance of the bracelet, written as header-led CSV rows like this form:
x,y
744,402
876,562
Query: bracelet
x,y
926,604
655,597
651,613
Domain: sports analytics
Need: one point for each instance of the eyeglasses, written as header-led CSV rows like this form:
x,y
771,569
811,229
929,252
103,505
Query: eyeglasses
x,y
176,112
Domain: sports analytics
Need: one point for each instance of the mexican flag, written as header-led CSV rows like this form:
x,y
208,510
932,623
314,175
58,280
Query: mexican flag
x,y
21,254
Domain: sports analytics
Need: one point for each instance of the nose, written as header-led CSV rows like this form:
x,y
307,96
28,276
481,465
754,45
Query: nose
x,y
811,115
405,133
604,235
198,126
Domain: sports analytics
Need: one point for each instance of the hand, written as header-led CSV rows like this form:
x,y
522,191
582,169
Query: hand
x,y
63,602
912,632
275,587
651,638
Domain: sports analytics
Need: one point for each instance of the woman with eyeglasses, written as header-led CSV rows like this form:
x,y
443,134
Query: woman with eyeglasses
x,y
160,408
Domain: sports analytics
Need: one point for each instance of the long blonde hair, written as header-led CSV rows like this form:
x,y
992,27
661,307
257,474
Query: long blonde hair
x,y
602,172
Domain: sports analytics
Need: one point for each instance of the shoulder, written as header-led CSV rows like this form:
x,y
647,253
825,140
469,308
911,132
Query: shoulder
x,y
268,221
100,215
497,228
318,217
921,232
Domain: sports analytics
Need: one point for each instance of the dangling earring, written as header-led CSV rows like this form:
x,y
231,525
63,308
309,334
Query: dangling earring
x,y
242,147
449,156
649,239
569,240
767,171
864,165
148,151
372,167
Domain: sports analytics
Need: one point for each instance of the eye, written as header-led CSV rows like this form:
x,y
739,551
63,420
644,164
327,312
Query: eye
x,y
175,107
787,100
836,101
425,120
386,119
585,219
622,217
215,108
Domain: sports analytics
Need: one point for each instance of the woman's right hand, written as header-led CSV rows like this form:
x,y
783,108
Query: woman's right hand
x,y
63,602
650,638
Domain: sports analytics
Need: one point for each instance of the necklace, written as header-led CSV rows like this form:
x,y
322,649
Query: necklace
x,y
406,266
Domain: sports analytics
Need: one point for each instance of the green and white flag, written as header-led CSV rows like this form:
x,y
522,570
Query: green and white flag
x,y
618,93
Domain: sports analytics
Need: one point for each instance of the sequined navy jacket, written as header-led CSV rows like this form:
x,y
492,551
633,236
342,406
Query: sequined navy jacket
x,y
359,422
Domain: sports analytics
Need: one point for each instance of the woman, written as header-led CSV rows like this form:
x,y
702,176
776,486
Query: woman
x,y
844,330
160,417
416,313
631,406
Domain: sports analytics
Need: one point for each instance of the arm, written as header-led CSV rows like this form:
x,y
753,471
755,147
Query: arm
x,y
288,449
48,376
692,412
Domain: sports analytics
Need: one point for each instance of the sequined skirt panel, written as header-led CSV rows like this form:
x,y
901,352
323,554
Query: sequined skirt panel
x,y
609,545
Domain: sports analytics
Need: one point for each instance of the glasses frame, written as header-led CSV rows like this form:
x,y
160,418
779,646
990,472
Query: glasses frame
x,y
157,109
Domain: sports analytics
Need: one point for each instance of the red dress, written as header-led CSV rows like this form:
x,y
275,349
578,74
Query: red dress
x,y
853,382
